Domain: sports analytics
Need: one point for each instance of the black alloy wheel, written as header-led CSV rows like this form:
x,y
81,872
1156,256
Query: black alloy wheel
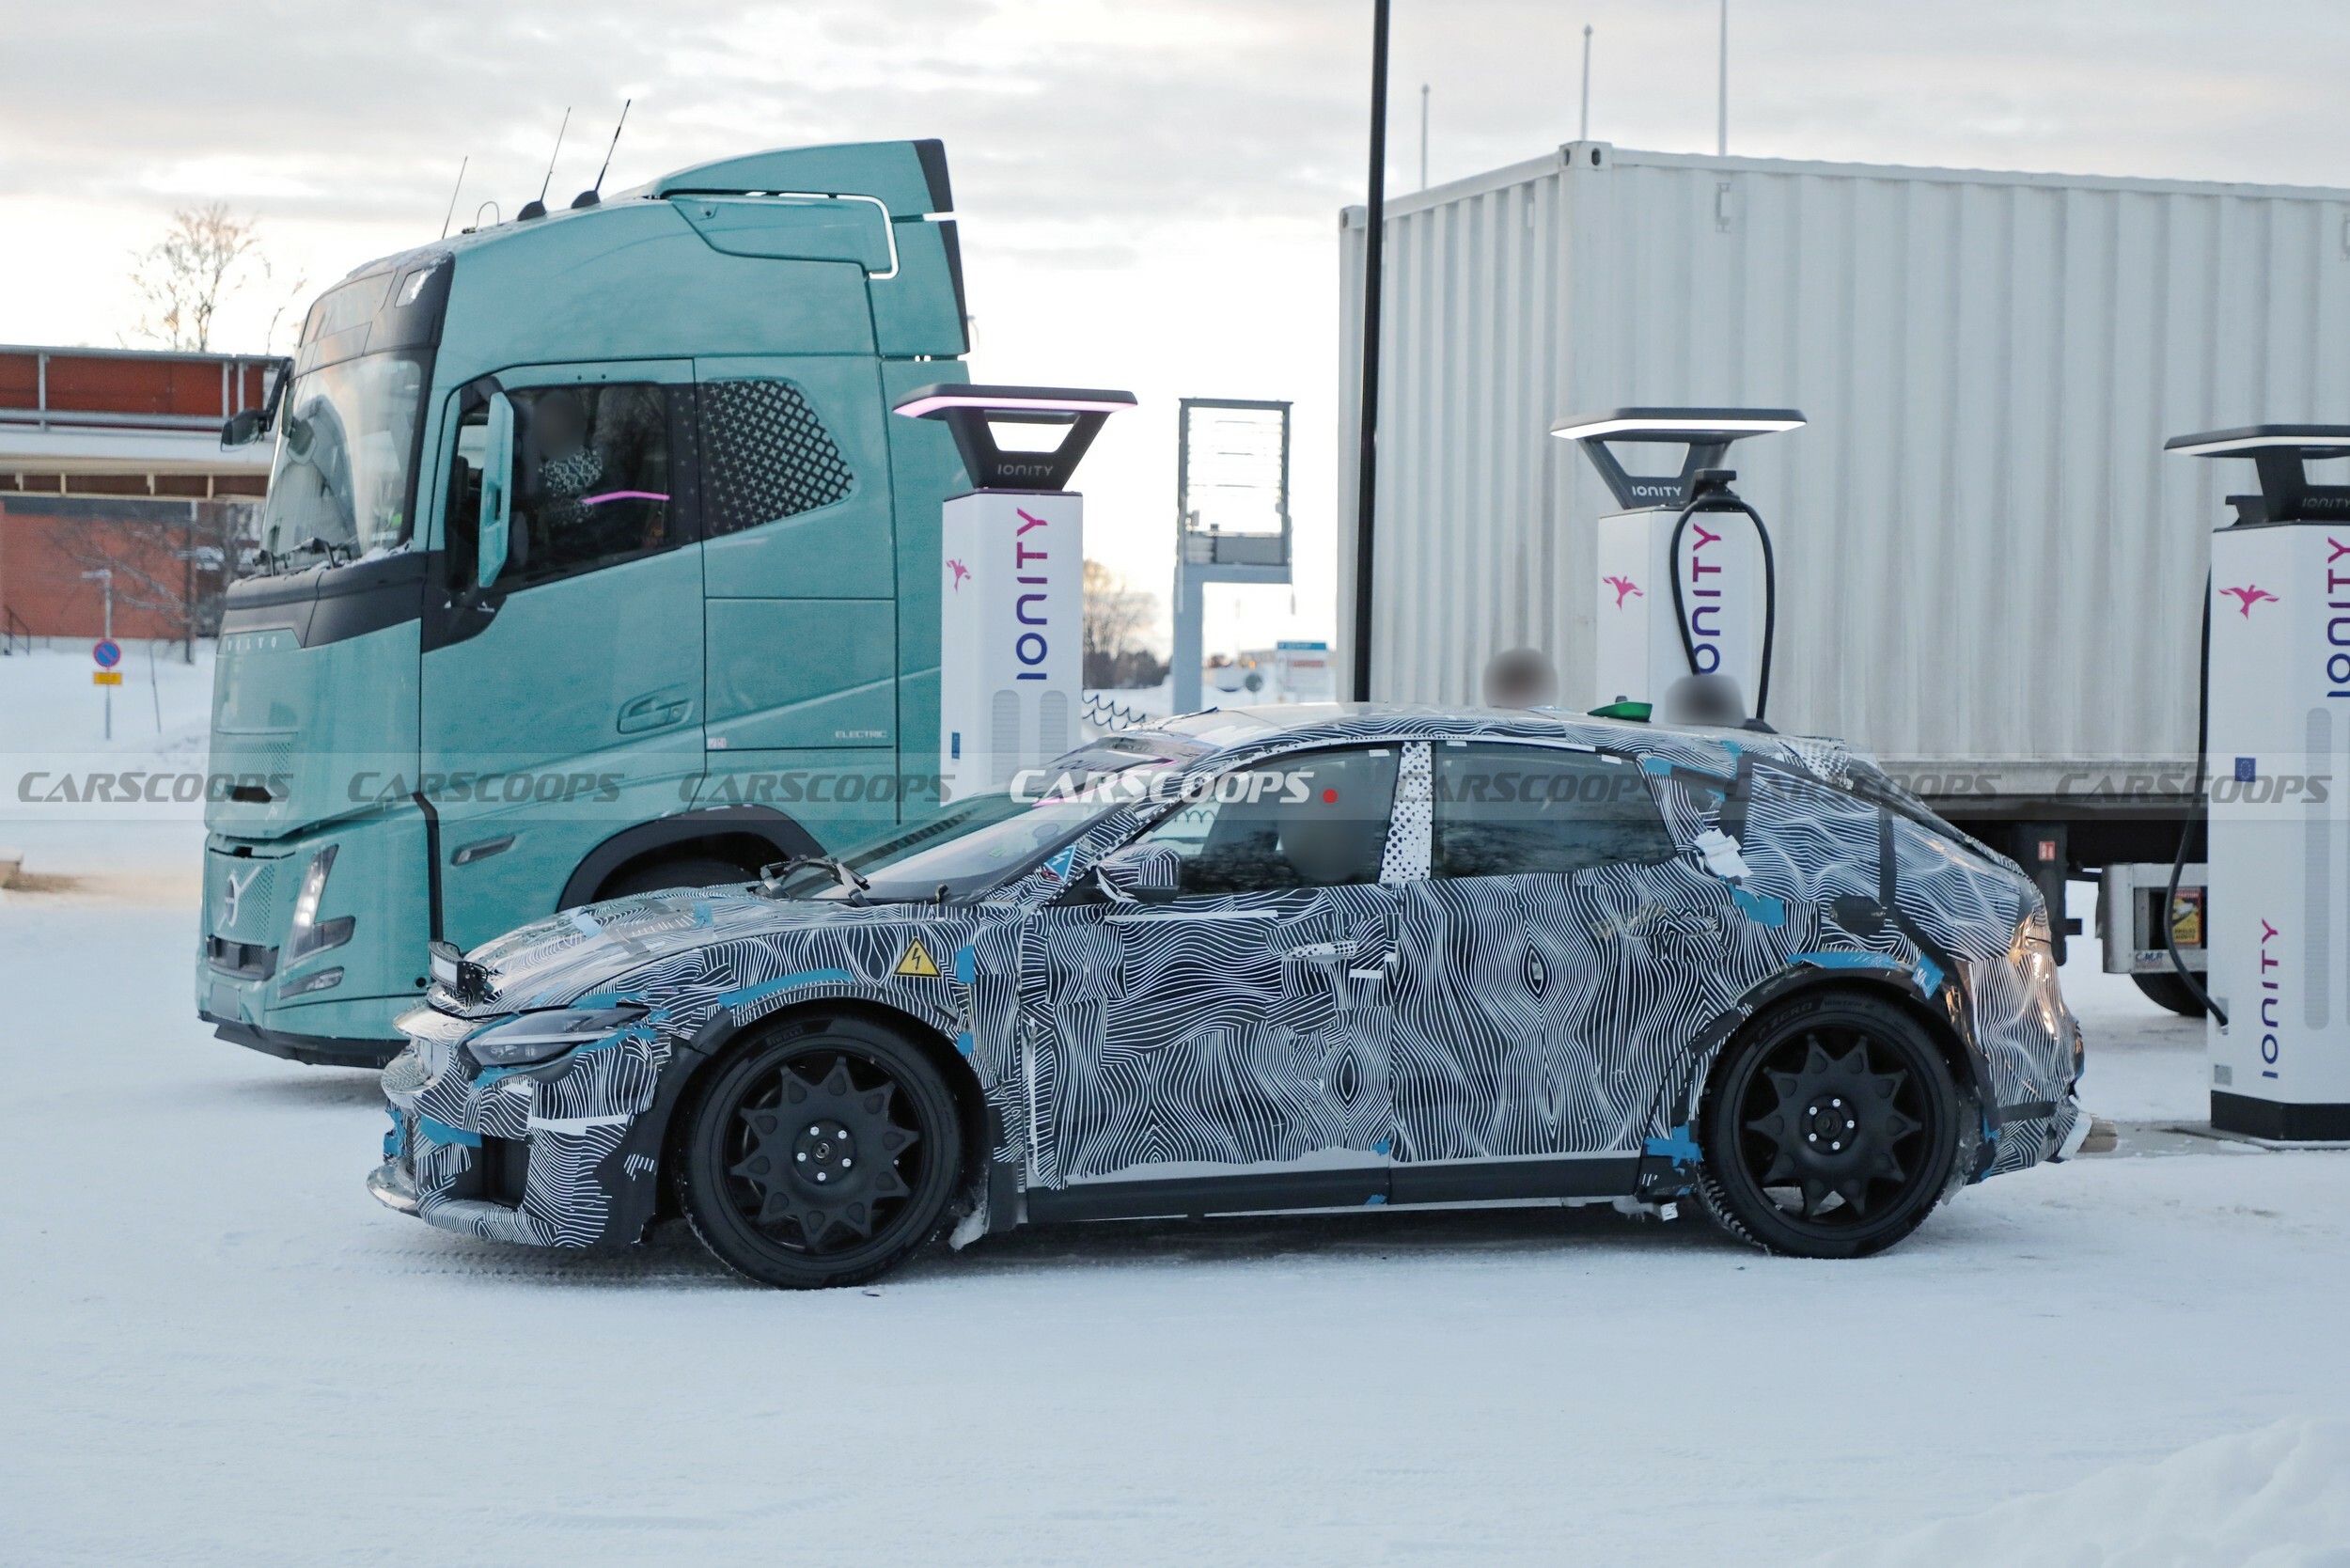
x,y
1831,1128
821,1153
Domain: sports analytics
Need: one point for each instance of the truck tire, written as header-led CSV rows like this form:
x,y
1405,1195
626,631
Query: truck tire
x,y
2169,990
1830,1130
822,1153
698,870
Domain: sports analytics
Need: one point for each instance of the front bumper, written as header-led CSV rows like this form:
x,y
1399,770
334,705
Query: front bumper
x,y
564,1154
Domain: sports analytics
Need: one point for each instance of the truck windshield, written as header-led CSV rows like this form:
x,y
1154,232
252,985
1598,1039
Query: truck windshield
x,y
343,486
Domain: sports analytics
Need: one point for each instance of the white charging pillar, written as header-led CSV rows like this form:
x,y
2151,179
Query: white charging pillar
x,y
1720,566
2278,743
1012,583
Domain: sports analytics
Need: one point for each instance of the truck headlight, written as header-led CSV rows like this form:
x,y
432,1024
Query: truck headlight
x,y
530,1037
309,933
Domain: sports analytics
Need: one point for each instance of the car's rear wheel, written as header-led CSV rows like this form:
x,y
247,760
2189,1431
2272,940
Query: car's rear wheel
x,y
1831,1129
821,1153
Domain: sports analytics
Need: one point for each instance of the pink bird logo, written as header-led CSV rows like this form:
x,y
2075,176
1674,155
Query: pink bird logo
x,y
960,571
1626,588
2251,596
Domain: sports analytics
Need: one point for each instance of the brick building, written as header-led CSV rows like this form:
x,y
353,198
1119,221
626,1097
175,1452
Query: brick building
x,y
112,458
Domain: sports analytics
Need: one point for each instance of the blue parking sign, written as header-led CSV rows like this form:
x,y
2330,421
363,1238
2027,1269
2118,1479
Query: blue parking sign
x,y
108,654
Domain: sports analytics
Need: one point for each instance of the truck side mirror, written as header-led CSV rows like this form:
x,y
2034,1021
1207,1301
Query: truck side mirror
x,y
497,481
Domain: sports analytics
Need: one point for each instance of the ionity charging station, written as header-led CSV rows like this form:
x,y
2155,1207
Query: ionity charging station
x,y
1685,575
2277,717
1011,588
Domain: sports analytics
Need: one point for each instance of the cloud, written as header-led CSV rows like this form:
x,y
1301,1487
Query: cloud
x,y
1149,188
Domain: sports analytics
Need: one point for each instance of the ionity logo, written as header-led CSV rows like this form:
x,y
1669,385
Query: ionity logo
x,y
2250,596
1625,588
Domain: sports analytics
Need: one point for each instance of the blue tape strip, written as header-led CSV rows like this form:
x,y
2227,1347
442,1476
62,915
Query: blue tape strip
x,y
963,1043
441,1132
1763,909
765,989
1930,975
1850,961
1676,1146
391,1140
966,964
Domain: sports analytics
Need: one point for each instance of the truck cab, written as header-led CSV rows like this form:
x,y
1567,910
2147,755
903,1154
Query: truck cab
x,y
593,563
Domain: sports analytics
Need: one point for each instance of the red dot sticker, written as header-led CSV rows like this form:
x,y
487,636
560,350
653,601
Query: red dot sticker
x,y
1329,797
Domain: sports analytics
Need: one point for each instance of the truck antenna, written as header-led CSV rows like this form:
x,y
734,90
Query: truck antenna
x,y
538,208
450,217
594,193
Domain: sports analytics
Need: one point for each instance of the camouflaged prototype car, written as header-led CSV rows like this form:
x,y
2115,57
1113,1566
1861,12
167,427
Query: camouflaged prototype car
x,y
1295,958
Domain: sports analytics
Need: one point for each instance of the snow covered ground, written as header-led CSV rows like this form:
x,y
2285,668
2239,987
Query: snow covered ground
x,y
219,1350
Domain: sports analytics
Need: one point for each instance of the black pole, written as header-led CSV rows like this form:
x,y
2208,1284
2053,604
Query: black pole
x,y
1374,237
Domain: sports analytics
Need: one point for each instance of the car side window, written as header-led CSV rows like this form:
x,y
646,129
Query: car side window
x,y
1309,820
1517,811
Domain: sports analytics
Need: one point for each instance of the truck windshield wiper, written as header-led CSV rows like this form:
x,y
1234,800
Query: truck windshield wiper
x,y
770,877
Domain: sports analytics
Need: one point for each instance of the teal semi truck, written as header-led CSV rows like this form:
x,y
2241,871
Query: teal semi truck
x,y
594,563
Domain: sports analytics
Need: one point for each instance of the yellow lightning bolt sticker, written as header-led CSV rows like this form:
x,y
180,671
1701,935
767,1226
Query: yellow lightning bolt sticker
x,y
917,962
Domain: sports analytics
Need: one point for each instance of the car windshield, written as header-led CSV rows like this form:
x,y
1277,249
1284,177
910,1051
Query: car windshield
x,y
973,845
342,486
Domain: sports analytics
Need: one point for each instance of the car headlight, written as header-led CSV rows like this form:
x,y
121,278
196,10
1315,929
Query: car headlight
x,y
530,1037
309,933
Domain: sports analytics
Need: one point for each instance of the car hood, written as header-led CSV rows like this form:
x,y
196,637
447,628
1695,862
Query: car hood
x,y
583,951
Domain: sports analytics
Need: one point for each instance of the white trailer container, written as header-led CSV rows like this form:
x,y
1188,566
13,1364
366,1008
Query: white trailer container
x,y
1989,575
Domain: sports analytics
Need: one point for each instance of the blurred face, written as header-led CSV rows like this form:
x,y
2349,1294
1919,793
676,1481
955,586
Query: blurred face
x,y
562,428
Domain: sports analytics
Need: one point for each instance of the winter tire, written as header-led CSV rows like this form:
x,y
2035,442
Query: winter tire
x,y
822,1153
1831,1129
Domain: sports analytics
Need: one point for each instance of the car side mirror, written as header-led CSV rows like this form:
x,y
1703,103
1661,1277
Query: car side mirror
x,y
1139,873
497,485
241,429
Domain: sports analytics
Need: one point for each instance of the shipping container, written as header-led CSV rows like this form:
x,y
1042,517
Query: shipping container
x,y
1989,575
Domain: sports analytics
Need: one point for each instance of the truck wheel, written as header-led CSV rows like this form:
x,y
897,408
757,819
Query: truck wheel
x,y
700,870
1830,1130
2169,991
821,1154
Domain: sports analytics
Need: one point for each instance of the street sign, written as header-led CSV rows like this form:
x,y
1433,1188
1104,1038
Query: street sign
x,y
106,677
108,654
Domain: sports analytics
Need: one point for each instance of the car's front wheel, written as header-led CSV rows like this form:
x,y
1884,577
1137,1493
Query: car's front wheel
x,y
1831,1129
821,1153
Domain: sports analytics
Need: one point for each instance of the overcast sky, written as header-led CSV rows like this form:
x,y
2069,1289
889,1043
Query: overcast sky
x,y
1148,189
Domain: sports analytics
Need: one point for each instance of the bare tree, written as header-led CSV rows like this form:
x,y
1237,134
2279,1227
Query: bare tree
x,y
1116,616
207,256
175,562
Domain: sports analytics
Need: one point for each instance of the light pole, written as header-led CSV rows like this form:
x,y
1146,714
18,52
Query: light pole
x,y
105,576
1583,127
1423,136
1721,104
1374,238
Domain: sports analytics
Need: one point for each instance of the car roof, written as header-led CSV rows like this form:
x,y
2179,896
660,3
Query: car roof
x,y
1218,739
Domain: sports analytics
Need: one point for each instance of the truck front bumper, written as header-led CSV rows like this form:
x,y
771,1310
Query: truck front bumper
x,y
315,1050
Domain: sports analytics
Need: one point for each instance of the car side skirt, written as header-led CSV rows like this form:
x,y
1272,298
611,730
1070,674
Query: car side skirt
x,y
1466,1181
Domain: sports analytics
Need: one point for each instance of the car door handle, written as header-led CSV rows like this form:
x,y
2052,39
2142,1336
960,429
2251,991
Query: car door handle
x,y
654,711
1323,953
